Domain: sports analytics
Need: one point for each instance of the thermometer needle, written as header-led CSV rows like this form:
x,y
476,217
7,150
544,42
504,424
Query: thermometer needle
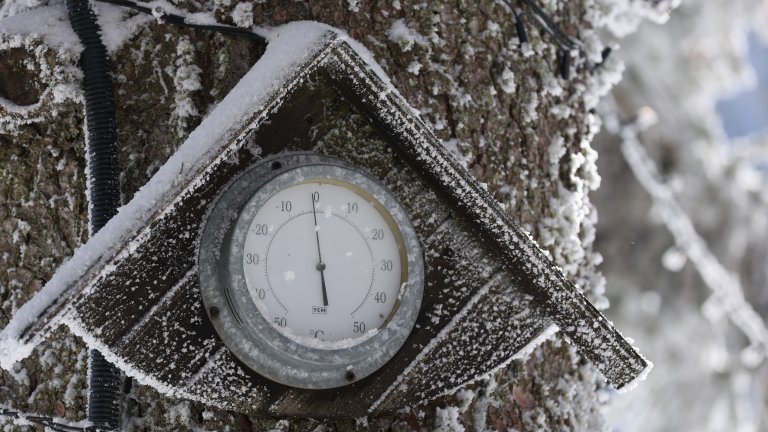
x,y
321,265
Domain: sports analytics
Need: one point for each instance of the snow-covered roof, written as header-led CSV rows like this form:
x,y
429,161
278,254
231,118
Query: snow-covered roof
x,y
530,293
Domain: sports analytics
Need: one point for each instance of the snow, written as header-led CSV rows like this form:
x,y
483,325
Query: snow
x,y
546,335
280,426
447,419
186,79
506,80
404,36
622,17
159,13
674,259
117,25
568,230
723,198
414,67
353,5
242,15
49,23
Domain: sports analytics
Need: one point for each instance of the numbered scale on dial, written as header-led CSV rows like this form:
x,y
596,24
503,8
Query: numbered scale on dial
x,y
314,271
323,259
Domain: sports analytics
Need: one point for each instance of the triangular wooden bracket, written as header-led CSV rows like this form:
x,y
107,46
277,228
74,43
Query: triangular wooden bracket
x,y
133,290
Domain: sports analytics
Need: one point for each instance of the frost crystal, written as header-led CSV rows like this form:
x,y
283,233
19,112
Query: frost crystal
x,y
243,15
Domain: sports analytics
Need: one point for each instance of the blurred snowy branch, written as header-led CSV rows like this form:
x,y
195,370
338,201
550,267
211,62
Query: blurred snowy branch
x,y
752,149
728,296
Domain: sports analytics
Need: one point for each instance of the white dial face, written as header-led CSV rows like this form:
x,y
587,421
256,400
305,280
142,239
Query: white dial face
x,y
311,271
324,263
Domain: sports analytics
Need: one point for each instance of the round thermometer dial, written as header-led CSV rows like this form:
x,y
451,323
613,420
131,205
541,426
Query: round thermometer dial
x,y
324,262
311,271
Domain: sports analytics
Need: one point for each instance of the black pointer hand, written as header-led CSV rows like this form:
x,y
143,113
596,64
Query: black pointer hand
x,y
321,265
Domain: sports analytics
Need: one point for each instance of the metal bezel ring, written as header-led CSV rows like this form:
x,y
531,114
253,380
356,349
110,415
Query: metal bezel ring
x,y
238,322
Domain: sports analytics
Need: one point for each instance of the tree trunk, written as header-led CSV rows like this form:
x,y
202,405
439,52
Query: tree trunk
x,y
502,107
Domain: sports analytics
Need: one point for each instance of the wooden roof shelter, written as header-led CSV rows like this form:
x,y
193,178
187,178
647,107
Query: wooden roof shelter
x,y
133,291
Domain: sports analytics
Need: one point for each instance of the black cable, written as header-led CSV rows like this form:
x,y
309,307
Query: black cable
x,y
181,21
522,35
565,64
47,422
103,178
564,42
550,26
544,22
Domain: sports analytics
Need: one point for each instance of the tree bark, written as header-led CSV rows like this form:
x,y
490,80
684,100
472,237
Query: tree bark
x,y
500,105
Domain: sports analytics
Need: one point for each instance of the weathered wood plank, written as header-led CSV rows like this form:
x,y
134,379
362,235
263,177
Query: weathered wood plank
x,y
426,208
172,339
457,266
137,283
175,339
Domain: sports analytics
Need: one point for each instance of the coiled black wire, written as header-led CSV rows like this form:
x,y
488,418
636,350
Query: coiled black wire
x,y
103,165
103,185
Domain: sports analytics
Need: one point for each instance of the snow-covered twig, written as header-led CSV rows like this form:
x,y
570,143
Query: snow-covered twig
x,y
728,297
